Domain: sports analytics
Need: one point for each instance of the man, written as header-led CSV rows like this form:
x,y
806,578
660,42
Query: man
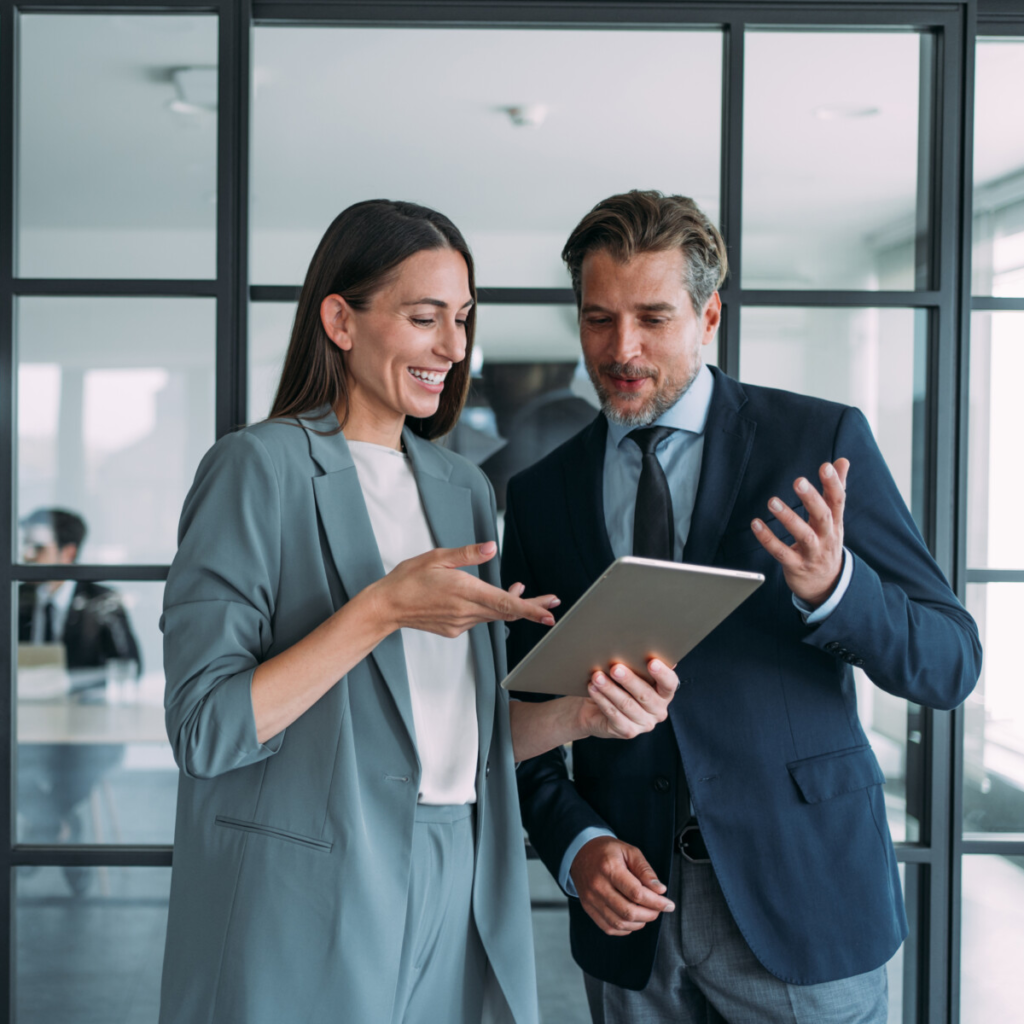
x,y
92,624
759,802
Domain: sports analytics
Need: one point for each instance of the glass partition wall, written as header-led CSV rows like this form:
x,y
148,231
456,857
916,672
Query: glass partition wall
x,y
161,198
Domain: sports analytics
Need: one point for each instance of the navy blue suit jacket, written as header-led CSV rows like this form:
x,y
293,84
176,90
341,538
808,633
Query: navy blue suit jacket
x,y
784,784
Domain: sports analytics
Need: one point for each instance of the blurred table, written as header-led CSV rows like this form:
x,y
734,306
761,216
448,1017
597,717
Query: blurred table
x,y
126,711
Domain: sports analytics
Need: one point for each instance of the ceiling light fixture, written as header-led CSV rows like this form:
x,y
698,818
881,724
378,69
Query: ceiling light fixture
x,y
844,112
527,115
196,89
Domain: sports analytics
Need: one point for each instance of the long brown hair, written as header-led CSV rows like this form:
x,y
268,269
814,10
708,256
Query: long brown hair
x,y
358,255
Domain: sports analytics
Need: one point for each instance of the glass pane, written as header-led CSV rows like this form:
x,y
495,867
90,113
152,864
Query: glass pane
x,y
115,410
513,133
873,359
998,169
992,936
93,961
830,159
995,489
994,714
117,171
94,764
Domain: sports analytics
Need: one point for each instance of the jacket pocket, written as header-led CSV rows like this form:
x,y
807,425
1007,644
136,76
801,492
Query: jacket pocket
x,y
274,833
830,775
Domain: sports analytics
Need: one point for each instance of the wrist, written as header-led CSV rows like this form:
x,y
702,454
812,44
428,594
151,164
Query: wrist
x,y
375,603
578,714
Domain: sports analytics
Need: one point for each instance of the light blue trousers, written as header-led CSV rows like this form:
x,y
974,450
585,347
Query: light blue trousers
x,y
443,965
705,973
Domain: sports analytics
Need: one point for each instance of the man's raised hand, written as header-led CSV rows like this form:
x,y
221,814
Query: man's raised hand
x,y
813,563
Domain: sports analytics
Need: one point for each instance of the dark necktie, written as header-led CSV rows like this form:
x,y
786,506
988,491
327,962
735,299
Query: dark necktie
x,y
654,532
48,636
654,527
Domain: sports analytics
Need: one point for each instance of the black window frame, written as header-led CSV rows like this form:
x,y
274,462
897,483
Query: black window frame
x,y
933,865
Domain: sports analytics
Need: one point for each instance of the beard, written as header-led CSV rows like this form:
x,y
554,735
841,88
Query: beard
x,y
640,412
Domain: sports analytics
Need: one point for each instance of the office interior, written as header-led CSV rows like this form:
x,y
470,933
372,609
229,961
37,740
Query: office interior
x,y
166,172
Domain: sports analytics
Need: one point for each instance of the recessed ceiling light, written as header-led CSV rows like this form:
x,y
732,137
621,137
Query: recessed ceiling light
x,y
844,112
527,115
196,89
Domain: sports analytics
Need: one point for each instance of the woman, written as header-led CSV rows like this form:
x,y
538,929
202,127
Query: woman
x,y
348,844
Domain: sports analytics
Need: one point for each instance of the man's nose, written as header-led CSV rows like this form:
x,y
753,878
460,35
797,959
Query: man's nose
x,y
625,343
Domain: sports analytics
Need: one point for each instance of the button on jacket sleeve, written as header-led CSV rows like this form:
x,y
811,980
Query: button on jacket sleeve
x,y
218,607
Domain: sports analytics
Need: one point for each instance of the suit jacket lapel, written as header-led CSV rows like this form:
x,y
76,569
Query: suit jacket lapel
x,y
449,511
728,440
346,523
584,495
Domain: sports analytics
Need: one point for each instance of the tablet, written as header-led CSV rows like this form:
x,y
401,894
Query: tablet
x,y
637,609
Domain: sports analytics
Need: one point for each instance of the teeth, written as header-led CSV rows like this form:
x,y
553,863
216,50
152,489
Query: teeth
x,y
431,377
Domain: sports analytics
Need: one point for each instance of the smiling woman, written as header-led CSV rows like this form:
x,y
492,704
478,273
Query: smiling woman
x,y
332,674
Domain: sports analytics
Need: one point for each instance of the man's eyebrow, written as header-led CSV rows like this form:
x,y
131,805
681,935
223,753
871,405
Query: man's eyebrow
x,y
440,303
642,307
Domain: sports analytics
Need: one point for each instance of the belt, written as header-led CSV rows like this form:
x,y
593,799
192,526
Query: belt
x,y
690,843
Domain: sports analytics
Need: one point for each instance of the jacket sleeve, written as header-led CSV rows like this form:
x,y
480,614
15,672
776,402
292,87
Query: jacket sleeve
x,y
219,608
898,620
554,814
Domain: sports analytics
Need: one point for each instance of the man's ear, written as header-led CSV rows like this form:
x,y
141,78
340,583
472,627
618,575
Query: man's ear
x,y
67,554
336,316
712,318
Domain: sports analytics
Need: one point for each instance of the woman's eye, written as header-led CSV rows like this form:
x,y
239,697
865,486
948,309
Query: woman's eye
x,y
421,322
461,323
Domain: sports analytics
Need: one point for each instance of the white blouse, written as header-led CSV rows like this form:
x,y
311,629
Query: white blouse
x,y
442,680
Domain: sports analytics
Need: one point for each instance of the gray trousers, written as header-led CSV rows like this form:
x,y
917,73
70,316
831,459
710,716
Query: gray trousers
x,y
705,973
443,966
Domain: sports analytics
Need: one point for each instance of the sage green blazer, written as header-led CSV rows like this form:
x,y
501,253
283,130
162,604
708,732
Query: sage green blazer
x,y
292,857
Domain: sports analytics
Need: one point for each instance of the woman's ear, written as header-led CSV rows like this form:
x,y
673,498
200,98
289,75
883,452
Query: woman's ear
x,y
336,316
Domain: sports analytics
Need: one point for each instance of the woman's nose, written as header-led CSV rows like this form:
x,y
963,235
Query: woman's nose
x,y
453,343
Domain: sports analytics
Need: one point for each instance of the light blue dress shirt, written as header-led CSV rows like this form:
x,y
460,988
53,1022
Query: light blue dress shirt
x,y
680,456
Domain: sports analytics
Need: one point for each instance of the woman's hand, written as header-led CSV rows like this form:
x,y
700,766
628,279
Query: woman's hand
x,y
623,705
432,593
618,708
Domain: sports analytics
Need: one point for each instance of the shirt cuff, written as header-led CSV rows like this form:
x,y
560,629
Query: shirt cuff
x,y
570,855
813,616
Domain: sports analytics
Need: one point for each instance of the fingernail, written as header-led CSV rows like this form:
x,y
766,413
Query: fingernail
x,y
488,548
548,620
756,526
671,907
775,505
598,680
801,485
618,672
656,664
828,470
554,602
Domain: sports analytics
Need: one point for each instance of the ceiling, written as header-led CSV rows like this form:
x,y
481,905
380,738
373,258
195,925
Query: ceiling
x,y
343,114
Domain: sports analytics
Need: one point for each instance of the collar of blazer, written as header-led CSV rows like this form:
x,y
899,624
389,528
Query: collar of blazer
x,y
346,523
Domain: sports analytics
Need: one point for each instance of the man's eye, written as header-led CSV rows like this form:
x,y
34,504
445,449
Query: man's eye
x,y
654,321
596,321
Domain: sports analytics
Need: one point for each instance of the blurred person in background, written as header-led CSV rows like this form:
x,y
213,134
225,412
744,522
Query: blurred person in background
x,y
92,625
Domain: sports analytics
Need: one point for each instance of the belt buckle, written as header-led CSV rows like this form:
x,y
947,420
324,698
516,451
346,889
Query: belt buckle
x,y
689,840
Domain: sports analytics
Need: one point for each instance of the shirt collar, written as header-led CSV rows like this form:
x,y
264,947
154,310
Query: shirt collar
x,y
689,413
60,598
